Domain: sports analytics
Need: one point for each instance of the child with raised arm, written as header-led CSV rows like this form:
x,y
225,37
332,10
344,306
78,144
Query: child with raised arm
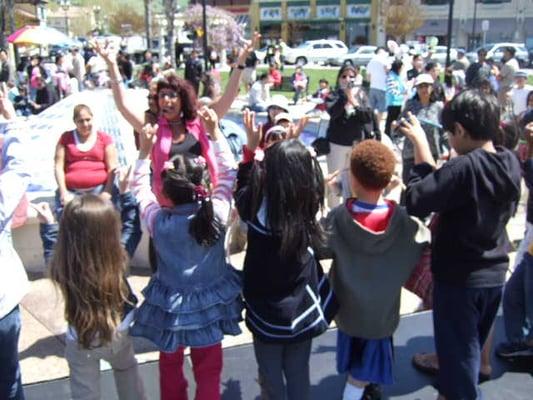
x,y
278,199
370,238
193,299
475,194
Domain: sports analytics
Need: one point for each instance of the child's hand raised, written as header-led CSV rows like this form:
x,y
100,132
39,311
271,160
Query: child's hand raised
x,y
248,47
147,140
253,131
6,108
295,130
123,175
105,51
210,119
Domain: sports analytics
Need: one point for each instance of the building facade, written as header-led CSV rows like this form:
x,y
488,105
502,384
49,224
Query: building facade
x,y
357,21
295,21
508,21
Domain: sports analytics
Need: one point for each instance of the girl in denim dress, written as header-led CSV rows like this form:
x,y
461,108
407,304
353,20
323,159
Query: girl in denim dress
x,y
193,299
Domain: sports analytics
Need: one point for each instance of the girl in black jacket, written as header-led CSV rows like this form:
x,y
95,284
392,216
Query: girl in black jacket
x,y
279,199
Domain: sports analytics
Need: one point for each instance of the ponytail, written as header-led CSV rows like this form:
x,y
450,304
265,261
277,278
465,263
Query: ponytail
x,y
204,227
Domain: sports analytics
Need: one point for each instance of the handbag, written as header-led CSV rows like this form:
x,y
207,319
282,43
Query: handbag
x,y
321,143
321,146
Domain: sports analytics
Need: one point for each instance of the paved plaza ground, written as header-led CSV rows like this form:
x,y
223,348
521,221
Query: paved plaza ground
x,y
43,326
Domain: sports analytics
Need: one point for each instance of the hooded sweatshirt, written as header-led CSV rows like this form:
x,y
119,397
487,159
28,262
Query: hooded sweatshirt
x,y
369,269
475,195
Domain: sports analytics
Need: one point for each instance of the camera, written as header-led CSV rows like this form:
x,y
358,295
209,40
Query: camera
x,y
351,83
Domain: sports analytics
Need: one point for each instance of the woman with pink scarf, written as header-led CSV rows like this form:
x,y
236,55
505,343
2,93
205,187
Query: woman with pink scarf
x,y
179,130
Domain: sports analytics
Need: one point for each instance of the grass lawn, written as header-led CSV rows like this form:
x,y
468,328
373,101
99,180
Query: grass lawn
x,y
314,75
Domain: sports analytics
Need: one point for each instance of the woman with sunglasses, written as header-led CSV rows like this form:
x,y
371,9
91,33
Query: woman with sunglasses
x,y
349,113
179,130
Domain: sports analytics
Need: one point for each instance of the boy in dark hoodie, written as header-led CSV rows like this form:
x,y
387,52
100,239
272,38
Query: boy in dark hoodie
x,y
475,195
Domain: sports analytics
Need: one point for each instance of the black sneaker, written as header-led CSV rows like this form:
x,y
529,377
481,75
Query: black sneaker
x,y
372,392
511,350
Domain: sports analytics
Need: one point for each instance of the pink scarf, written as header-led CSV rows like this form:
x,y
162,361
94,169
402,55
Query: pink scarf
x,y
161,151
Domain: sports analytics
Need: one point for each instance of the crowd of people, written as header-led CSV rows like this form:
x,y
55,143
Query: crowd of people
x,y
445,240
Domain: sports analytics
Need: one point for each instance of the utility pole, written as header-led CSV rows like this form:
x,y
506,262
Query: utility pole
x,y
450,25
473,40
204,37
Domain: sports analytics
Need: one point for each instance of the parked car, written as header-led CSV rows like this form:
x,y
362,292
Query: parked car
x,y
495,52
315,51
439,54
357,55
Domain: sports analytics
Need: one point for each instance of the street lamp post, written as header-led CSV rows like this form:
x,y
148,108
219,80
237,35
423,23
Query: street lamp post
x,y
450,24
96,11
474,25
204,28
65,5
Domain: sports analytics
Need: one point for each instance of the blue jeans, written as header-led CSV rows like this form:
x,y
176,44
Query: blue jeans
x,y
276,361
48,233
518,302
462,319
10,378
131,225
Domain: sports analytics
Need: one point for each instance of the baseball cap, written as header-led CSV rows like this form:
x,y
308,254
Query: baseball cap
x,y
282,117
424,78
279,101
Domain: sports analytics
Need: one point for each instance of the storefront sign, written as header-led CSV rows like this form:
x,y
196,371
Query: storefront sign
x,y
299,12
358,11
327,12
270,13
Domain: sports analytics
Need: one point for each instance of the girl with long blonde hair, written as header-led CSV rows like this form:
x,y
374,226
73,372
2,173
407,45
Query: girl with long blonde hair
x,y
88,266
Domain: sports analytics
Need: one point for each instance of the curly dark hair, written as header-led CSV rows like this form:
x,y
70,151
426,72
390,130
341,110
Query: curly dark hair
x,y
188,99
372,164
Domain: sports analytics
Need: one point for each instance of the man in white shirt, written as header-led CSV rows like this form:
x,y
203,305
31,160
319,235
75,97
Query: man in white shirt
x,y
376,73
520,92
506,77
77,65
259,94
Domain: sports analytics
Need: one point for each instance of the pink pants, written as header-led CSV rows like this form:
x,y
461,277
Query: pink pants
x,y
207,368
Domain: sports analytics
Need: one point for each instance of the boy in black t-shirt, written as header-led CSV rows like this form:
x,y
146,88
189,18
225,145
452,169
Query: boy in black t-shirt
x,y
475,194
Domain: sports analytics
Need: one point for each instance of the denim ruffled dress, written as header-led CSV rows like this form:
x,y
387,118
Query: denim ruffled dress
x,y
194,297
